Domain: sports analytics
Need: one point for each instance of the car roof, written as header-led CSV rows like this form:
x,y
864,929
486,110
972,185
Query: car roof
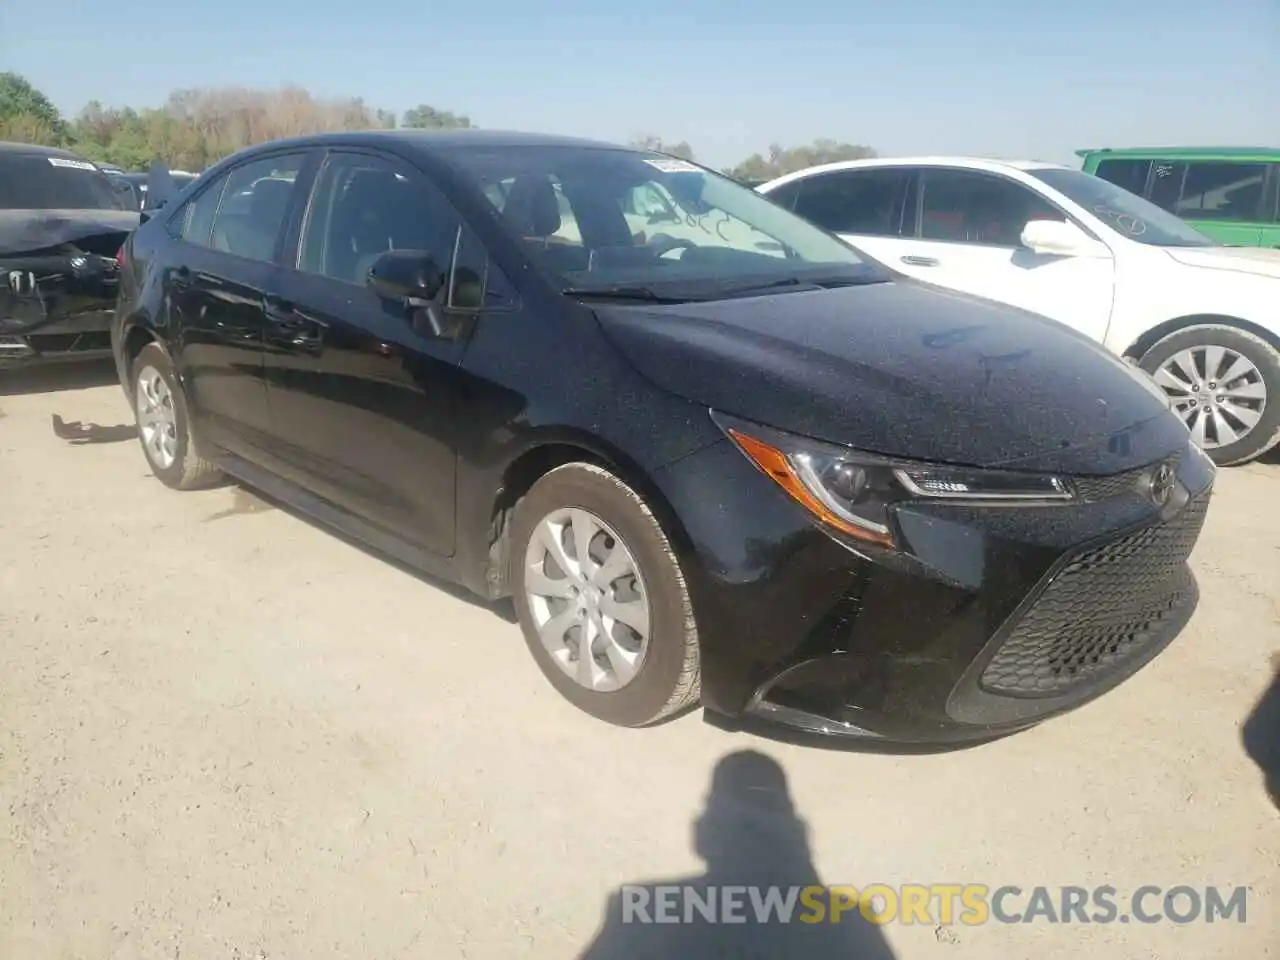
x,y
37,149
1180,152
989,164
431,141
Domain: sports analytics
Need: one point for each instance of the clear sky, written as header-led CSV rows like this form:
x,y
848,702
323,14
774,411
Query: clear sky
x,y
1035,78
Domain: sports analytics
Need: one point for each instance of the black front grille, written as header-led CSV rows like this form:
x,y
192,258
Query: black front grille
x,y
1093,489
1103,608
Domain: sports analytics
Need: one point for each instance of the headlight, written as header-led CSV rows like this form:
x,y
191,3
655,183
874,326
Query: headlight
x,y
854,491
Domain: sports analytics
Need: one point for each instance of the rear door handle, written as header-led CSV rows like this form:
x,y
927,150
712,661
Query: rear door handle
x,y
915,261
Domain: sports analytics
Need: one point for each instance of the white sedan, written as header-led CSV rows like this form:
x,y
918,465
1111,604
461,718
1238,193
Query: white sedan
x,y
1202,319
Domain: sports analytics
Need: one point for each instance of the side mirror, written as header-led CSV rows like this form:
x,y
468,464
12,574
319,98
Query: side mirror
x,y
408,275
413,278
1060,238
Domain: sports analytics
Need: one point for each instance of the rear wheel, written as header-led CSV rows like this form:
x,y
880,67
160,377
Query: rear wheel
x,y
1225,384
601,598
164,425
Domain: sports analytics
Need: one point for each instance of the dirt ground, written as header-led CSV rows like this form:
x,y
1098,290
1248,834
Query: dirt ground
x,y
226,733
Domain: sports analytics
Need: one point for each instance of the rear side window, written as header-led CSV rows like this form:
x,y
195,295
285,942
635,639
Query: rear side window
x,y
255,203
785,195
1223,191
1129,175
195,222
1166,184
35,181
867,202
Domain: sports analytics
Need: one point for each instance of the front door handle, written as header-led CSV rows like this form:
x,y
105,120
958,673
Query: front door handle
x,y
278,308
915,261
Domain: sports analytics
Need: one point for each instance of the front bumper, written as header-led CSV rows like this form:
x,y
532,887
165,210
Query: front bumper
x,y
83,337
986,621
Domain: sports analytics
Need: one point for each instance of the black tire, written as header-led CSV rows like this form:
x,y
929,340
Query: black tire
x,y
1265,434
669,678
191,468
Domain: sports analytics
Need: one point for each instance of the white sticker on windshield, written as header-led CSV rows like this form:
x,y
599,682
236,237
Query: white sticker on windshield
x,y
672,165
74,164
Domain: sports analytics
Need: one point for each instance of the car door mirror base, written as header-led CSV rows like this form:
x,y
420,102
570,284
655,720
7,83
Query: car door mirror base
x,y
430,319
1060,238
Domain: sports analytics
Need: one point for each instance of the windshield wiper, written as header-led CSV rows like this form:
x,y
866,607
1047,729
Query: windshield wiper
x,y
801,283
621,293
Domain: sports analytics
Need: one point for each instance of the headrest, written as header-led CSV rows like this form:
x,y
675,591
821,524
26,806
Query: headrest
x,y
269,197
532,206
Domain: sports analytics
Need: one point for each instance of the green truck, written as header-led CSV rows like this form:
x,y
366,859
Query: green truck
x,y
1231,194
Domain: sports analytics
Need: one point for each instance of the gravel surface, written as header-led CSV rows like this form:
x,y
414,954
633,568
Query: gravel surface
x,y
227,733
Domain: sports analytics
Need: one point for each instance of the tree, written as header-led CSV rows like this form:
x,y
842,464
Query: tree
x,y
25,110
424,117
658,145
780,160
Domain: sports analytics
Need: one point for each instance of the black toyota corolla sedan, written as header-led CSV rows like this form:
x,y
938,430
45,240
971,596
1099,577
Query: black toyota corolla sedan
x,y
710,451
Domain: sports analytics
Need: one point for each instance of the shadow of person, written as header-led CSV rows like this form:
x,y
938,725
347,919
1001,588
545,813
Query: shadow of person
x,y
751,837
78,433
1261,734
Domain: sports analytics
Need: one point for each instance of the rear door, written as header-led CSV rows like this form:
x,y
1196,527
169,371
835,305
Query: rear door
x,y
230,234
865,207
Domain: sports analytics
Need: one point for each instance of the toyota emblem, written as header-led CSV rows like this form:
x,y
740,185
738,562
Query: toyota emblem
x,y
1161,487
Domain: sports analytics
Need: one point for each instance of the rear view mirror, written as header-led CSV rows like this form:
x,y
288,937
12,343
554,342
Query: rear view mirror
x,y
408,275
1060,238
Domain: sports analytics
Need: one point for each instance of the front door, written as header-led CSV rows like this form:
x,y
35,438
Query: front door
x,y
364,399
966,237
230,233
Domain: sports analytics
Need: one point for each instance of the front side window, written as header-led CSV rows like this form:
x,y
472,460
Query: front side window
x,y
36,181
1127,214
1222,191
1129,175
592,216
364,206
967,206
254,205
865,201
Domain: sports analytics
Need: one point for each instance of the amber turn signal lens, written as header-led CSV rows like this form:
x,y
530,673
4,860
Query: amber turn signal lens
x,y
775,464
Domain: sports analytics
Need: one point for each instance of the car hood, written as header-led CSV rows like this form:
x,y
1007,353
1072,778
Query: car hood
x,y
906,370
25,231
1258,261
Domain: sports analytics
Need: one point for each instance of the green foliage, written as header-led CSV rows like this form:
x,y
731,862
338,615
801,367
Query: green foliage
x,y
24,109
423,117
658,145
780,160
195,128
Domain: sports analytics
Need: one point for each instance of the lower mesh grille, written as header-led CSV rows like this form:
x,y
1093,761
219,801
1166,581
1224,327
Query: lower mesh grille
x,y
1101,610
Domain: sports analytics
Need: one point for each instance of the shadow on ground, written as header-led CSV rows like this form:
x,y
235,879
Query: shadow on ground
x,y
78,432
247,501
53,377
750,835
1261,734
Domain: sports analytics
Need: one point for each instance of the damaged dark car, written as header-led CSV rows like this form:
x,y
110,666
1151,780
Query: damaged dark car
x,y
61,226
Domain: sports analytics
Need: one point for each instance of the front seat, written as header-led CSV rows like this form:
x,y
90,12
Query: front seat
x,y
532,208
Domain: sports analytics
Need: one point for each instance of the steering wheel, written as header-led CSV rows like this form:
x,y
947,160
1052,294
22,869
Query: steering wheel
x,y
662,244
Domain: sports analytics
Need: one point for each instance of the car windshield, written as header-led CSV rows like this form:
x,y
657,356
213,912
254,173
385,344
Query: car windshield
x,y
36,181
631,223
1126,213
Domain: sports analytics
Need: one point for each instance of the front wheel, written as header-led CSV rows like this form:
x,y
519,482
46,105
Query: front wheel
x,y
1225,384
601,598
